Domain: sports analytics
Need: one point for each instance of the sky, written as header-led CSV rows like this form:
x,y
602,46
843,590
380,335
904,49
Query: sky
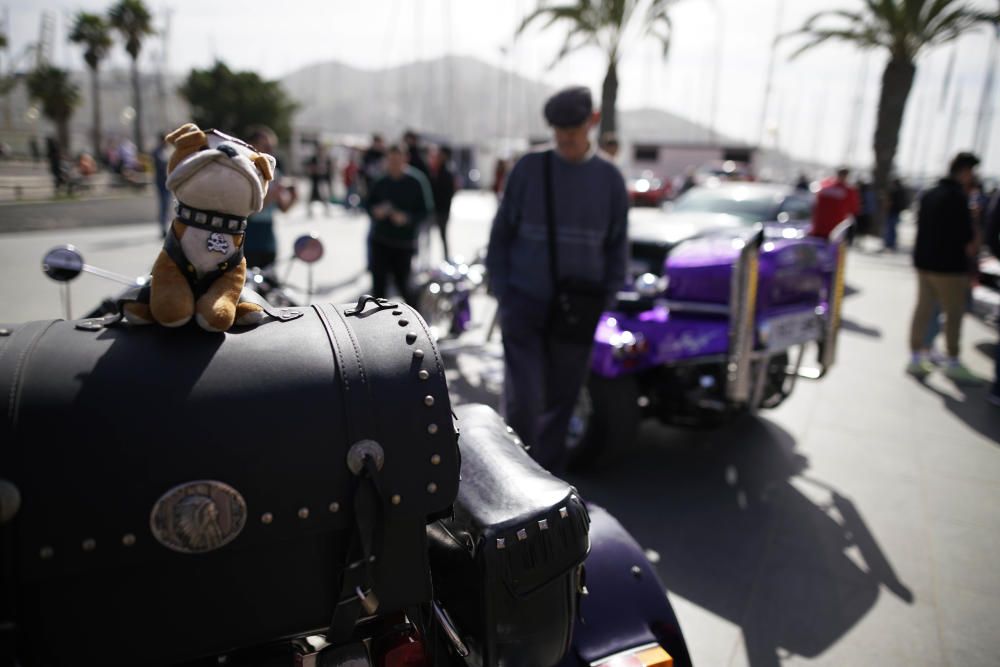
x,y
822,106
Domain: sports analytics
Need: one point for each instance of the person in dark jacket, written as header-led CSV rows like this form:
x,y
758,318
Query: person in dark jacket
x,y
992,238
543,375
945,244
443,189
398,204
898,202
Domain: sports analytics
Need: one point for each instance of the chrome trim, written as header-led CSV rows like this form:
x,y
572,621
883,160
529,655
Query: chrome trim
x,y
838,238
742,322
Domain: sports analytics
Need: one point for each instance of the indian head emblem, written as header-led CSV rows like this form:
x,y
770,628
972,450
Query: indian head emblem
x,y
196,517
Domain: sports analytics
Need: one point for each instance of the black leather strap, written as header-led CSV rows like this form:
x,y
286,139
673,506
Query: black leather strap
x,y
360,409
141,293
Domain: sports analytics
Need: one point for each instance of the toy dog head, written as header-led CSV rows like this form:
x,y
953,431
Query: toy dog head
x,y
212,171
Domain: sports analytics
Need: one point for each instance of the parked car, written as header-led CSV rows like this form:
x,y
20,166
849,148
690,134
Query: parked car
x,y
726,292
648,189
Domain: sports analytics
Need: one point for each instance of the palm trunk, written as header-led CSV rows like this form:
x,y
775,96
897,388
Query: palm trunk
x,y
62,131
609,97
96,95
137,104
897,80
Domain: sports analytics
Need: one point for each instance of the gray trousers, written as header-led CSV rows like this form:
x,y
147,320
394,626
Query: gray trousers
x,y
542,379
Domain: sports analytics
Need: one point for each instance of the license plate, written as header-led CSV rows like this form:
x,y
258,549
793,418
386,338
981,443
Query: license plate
x,y
784,331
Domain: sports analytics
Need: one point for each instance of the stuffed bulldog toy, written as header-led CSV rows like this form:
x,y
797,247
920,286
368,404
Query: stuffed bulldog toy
x,y
218,181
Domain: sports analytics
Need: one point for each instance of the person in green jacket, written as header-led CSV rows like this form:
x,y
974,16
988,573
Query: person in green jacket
x,y
398,204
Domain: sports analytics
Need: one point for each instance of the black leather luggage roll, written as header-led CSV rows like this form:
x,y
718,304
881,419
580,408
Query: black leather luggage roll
x,y
507,565
183,493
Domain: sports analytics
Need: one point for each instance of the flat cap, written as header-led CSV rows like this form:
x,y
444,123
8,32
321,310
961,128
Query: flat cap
x,y
569,107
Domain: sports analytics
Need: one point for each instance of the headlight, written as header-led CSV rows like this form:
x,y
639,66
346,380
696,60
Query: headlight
x,y
650,285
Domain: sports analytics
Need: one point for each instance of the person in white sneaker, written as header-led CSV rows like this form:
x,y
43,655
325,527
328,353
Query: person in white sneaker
x,y
943,253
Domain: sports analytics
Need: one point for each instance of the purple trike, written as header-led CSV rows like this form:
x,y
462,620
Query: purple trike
x,y
727,291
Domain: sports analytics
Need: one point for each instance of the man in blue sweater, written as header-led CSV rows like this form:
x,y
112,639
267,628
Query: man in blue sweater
x,y
544,373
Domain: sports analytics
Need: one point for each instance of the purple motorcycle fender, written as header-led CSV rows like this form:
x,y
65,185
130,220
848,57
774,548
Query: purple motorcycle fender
x,y
626,606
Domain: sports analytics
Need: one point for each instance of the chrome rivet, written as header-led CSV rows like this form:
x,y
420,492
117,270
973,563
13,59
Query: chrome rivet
x,y
418,354
510,430
501,543
428,401
403,323
432,428
396,499
303,512
423,375
543,524
432,488
46,552
563,512
266,518
89,544
636,571
334,507
522,535
128,539
435,459
411,338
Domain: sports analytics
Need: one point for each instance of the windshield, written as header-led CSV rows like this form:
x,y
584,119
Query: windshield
x,y
746,205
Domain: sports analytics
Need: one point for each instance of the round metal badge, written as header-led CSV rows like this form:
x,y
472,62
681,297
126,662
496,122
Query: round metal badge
x,y
196,517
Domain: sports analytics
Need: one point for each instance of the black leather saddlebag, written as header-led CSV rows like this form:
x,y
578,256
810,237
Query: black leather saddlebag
x,y
172,494
507,566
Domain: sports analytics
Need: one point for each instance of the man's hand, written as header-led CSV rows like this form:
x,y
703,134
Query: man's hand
x,y
382,210
398,218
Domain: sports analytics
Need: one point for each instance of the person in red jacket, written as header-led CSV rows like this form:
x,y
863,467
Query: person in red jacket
x,y
835,201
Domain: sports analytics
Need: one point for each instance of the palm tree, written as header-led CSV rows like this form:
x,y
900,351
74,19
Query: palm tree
x,y
605,24
904,28
94,33
58,95
134,22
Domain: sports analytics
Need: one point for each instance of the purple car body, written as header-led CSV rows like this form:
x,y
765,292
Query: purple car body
x,y
721,305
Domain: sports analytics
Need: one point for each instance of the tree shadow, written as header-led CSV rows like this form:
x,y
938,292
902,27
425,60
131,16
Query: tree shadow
x,y
741,532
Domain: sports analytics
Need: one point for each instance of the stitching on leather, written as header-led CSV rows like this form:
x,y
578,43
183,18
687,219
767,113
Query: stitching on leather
x,y
354,343
15,386
332,337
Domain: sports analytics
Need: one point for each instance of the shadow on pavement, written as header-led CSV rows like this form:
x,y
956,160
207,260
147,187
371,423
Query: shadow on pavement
x,y
856,327
973,408
742,533
740,530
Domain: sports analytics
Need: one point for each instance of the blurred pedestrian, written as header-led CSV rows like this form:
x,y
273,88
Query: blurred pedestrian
x,y
36,152
260,245
398,203
556,259
372,165
836,201
415,153
163,195
350,175
499,177
802,184
898,202
945,245
319,168
443,191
